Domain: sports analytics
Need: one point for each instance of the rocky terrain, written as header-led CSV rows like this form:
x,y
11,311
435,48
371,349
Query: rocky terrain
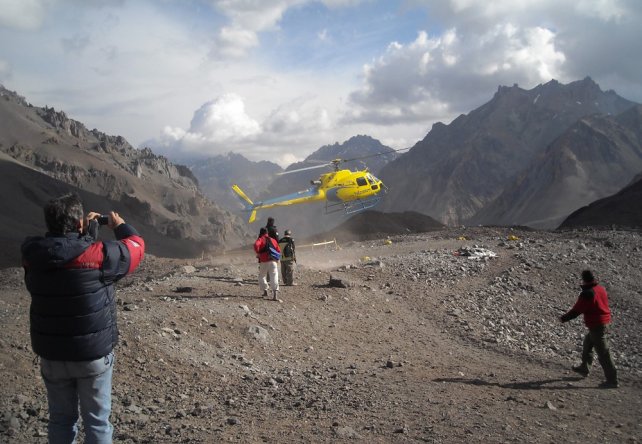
x,y
444,337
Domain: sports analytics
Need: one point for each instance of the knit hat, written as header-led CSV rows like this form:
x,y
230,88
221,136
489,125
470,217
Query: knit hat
x,y
587,276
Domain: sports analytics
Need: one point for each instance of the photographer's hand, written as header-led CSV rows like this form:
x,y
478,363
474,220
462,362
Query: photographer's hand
x,y
91,224
115,220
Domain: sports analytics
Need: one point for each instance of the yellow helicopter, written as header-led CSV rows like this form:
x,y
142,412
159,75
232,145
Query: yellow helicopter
x,y
351,191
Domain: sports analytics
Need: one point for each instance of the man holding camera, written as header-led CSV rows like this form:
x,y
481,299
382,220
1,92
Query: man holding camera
x,y
70,276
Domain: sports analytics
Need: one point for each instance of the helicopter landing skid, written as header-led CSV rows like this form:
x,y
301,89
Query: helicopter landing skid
x,y
352,207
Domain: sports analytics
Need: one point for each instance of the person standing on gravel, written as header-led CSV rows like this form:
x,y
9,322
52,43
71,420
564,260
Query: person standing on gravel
x,y
272,232
70,276
288,258
593,303
268,266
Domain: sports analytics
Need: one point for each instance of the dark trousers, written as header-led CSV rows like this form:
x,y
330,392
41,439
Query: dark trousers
x,y
287,271
596,338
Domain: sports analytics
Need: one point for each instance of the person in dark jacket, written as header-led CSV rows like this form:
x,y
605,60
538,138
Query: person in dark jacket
x,y
70,276
271,229
268,266
593,303
288,257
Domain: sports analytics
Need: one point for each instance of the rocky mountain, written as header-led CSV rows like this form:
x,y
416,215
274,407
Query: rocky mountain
x,y
44,154
216,175
459,168
307,219
623,209
594,158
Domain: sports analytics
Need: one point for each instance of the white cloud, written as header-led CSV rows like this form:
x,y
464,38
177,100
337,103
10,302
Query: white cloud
x,y
22,14
235,42
602,9
223,125
452,72
216,124
298,115
224,120
94,60
248,18
323,35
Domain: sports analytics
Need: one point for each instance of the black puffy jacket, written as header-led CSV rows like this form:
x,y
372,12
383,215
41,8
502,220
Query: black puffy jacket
x,y
70,278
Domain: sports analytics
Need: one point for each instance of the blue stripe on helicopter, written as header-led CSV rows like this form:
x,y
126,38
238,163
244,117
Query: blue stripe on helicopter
x,y
310,192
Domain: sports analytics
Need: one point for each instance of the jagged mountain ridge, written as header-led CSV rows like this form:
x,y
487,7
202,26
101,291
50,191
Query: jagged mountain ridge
x,y
594,158
459,168
162,197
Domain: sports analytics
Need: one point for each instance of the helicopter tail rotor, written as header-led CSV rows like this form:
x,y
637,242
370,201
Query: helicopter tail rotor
x,y
248,205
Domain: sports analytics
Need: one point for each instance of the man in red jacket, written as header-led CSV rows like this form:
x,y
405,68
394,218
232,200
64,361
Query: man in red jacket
x,y
267,264
593,303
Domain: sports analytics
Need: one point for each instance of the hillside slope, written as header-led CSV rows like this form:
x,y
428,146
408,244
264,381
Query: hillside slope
x,y
46,151
459,168
216,175
594,158
623,209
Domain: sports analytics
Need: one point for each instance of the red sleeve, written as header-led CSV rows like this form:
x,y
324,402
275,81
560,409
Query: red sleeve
x,y
136,246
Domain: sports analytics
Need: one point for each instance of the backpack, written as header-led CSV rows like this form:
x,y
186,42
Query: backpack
x,y
271,251
287,250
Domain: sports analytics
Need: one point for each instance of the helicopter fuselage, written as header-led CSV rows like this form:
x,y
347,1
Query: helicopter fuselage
x,y
337,187
346,185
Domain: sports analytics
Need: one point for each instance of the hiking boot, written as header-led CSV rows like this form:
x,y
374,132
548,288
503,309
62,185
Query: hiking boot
x,y
582,369
265,293
274,293
609,385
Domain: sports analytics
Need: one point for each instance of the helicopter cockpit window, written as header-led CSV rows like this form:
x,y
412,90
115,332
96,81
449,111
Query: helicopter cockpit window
x,y
361,181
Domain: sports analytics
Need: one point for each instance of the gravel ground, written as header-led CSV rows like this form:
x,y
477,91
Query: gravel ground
x,y
403,339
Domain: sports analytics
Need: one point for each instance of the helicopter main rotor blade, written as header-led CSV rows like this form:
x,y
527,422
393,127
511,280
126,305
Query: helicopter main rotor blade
x,y
304,169
337,162
374,155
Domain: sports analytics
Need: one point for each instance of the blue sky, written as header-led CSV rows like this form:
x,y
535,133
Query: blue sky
x,y
277,79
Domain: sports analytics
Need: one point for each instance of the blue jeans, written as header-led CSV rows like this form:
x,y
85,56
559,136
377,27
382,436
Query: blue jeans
x,y
70,383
